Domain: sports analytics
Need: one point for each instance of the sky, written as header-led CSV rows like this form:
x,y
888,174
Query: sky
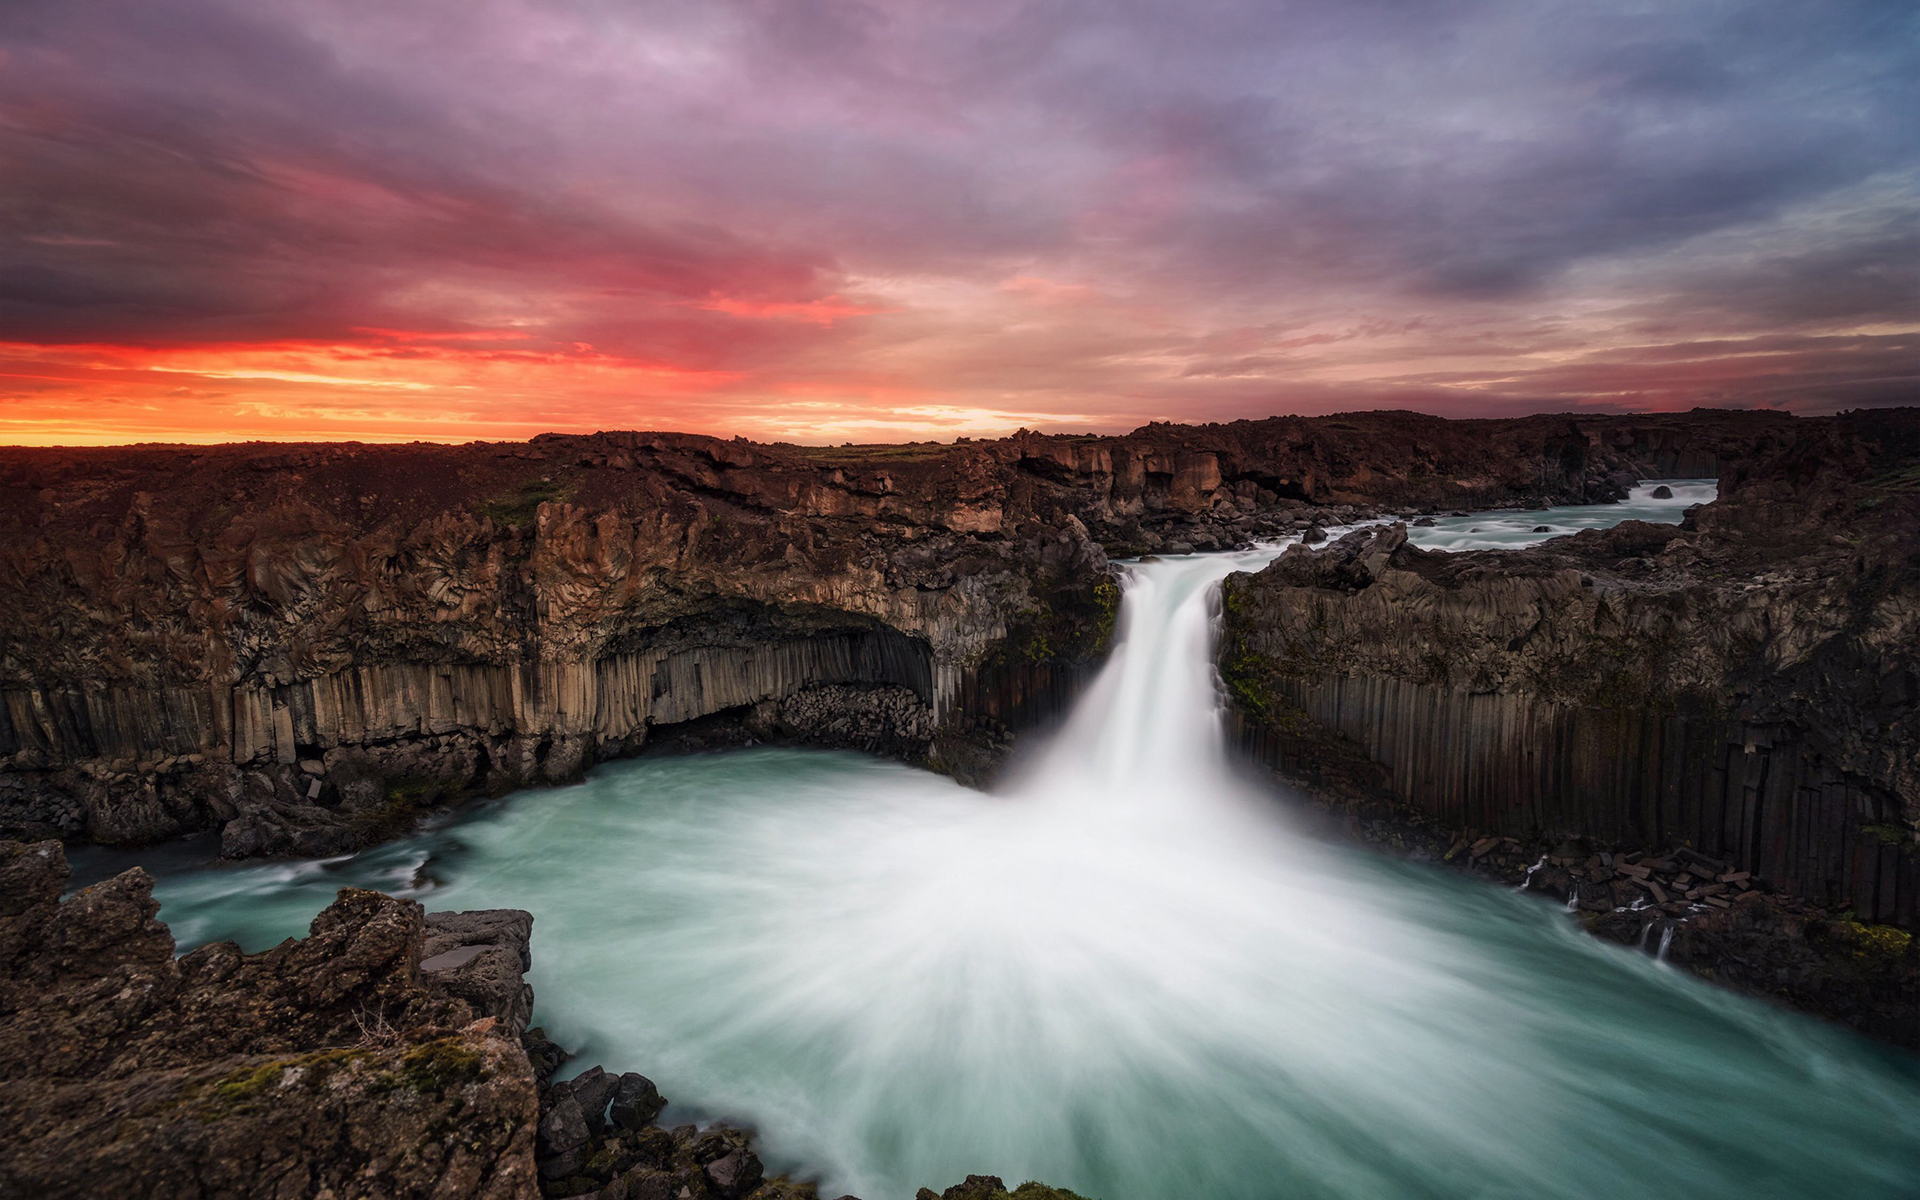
x,y
884,220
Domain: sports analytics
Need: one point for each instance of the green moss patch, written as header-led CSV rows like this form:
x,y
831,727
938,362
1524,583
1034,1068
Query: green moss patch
x,y
1875,941
1106,598
441,1065
519,506
240,1089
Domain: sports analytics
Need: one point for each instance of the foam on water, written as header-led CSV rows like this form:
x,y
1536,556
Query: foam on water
x,y
1121,974
1513,528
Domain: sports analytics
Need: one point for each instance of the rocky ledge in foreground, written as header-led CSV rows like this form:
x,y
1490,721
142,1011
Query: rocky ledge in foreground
x,y
304,646
329,1066
1743,688
385,1055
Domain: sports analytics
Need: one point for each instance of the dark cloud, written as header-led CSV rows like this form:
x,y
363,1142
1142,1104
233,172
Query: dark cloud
x,y
1246,194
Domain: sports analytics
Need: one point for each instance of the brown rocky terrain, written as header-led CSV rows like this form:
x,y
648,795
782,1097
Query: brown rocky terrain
x,y
304,645
1743,689
385,1055
330,1066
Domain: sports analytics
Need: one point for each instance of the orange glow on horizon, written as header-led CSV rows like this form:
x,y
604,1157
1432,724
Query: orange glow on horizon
x,y
395,384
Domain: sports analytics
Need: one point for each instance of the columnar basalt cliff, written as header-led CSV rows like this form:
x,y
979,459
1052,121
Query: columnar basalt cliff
x,y
302,645
1744,685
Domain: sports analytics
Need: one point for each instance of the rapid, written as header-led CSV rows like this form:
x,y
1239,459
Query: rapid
x,y
1122,972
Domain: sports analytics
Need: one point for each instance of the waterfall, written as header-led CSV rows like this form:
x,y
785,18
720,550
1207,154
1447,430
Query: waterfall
x,y
1148,732
1123,973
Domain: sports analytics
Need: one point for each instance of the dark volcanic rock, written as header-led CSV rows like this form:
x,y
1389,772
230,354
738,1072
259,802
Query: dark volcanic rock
x,y
989,1187
319,1066
636,1102
481,957
1663,492
593,1090
306,646
735,1173
1746,685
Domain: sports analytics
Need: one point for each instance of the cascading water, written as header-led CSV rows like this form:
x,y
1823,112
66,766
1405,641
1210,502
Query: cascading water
x,y
1122,974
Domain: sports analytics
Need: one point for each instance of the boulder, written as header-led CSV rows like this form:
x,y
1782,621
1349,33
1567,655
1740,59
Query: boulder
x,y
736,1173
592,1089
636,1102
563,1127
480,957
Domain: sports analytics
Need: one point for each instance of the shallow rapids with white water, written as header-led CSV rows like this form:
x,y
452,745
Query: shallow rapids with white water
x,y
1121,973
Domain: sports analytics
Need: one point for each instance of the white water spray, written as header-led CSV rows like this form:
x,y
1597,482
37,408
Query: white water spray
x,y
1123,974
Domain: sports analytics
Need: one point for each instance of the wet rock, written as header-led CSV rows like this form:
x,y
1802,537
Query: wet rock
x,y
1425,523
480,957
1543,529
563,1127
592,1089
1313,535
542,1053
563,1164
990,1187
735,1174
636,1102
1663,492
647,1184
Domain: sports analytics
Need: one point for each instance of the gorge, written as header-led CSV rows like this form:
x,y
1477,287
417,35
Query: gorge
x,y
899,979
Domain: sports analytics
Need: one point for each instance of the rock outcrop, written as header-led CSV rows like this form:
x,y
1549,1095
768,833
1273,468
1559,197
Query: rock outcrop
x,y
303,646
989,1187
1744,687
385,1055
329,1066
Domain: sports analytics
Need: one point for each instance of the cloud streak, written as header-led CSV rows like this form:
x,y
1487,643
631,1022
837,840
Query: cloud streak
x,y
814,218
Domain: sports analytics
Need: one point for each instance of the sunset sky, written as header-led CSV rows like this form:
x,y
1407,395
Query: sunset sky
x,y
830,220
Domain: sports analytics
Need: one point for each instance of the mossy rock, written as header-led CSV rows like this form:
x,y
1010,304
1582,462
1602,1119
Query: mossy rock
x,y
1873,941
239,1089
441,1065
520,506
989,1187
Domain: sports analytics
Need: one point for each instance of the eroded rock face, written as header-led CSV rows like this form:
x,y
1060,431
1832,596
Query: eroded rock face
x,y
1747,684
304,645
321,1066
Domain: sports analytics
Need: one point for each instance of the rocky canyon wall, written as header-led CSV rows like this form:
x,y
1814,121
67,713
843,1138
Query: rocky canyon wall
x,y
1745,684
301,646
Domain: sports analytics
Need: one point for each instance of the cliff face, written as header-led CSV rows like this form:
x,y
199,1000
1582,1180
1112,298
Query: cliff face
x,y
1744,685
302,645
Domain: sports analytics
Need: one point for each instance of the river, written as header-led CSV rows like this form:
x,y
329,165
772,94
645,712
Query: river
x,y
1121,972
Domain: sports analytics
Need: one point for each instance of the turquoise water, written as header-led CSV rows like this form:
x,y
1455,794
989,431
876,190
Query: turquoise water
x,y
1123,972
1510,529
